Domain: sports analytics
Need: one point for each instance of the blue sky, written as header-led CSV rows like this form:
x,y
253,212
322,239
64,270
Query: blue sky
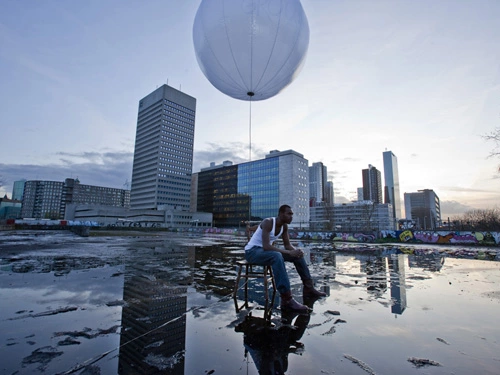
x,y
419,78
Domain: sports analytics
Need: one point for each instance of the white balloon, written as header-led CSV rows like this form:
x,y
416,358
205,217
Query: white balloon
x,y
250,49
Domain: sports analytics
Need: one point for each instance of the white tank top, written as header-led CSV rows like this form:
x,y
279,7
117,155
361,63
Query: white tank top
x,y
256,239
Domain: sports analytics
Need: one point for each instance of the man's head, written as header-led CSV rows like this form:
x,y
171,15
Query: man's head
x,y
285,214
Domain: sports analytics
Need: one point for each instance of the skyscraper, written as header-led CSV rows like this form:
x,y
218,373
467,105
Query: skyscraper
x,y
317,182
391,178
163,156
372,184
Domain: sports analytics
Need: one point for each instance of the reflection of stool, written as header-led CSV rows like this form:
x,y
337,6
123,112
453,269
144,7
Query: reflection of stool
x,y
263,272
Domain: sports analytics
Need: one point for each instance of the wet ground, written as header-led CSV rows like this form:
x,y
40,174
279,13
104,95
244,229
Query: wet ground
x,y
162,304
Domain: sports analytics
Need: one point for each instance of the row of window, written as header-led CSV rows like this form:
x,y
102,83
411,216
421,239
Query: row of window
x,y
189,112
174,143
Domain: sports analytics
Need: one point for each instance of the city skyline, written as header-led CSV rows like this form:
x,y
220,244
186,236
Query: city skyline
x,y
421,80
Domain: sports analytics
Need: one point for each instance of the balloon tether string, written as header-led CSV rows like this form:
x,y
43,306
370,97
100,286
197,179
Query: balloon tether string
x,y
250,94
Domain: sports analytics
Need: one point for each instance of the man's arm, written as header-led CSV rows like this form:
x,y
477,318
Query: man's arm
x,y
267,227
250,230
286,238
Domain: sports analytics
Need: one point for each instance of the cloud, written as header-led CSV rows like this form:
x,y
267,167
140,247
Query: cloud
x,y
237,152
449,208
458,189
341,199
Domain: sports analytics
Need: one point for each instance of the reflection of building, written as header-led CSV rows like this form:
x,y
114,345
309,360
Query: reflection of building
x,y
280,178
372,184
424,208
431,262
49,199
163,156
376,275
398,288
391,178
153,333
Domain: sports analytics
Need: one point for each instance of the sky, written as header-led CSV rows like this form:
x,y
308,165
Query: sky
x,y
418,78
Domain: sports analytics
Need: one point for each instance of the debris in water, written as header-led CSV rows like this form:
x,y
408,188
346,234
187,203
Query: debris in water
x,y
43,356
333,312
360,363
68,341
47,313
419,362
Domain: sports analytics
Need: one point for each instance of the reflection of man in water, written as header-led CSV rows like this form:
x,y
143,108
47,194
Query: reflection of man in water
x,y
269,346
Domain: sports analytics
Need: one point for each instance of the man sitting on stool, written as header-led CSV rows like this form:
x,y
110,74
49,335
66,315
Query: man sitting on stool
x,y
260,250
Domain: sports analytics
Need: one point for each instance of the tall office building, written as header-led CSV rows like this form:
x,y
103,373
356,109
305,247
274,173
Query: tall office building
x,y
18,190
372,184
391,178
255,190
163,156
424,208
317,182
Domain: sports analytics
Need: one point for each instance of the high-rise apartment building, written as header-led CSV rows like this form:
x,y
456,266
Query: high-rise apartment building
x,y
391,187
163,156
255,190
372,184
424,208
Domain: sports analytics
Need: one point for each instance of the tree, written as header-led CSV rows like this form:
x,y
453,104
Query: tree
x,y
479,220
494,136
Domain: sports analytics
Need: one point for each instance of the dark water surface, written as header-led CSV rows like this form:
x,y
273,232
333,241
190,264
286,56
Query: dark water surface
x,y
162,304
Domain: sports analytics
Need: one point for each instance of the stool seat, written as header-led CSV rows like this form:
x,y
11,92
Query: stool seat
x,y
247,270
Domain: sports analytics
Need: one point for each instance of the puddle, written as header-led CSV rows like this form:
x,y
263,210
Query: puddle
x,y
163,304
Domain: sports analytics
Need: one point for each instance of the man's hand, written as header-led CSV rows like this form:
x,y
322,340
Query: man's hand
x,y
297,253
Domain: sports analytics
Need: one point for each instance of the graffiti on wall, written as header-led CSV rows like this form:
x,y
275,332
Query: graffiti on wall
x,y
442,237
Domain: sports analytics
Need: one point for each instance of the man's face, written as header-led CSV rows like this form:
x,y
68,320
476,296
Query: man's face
x,y
287,216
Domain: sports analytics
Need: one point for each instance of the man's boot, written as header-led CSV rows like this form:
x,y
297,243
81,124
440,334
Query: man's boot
x,y
310,292
288,303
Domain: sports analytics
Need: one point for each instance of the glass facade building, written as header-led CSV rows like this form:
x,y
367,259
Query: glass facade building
x,y
255,190
260,181
18,190
391,179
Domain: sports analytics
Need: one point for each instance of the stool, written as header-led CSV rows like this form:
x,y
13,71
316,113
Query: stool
x,y
265,273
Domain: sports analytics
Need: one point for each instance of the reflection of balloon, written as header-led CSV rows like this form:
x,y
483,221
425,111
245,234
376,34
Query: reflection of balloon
x,y
250,49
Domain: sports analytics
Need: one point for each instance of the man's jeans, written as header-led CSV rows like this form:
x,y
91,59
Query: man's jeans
x,y
276,260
